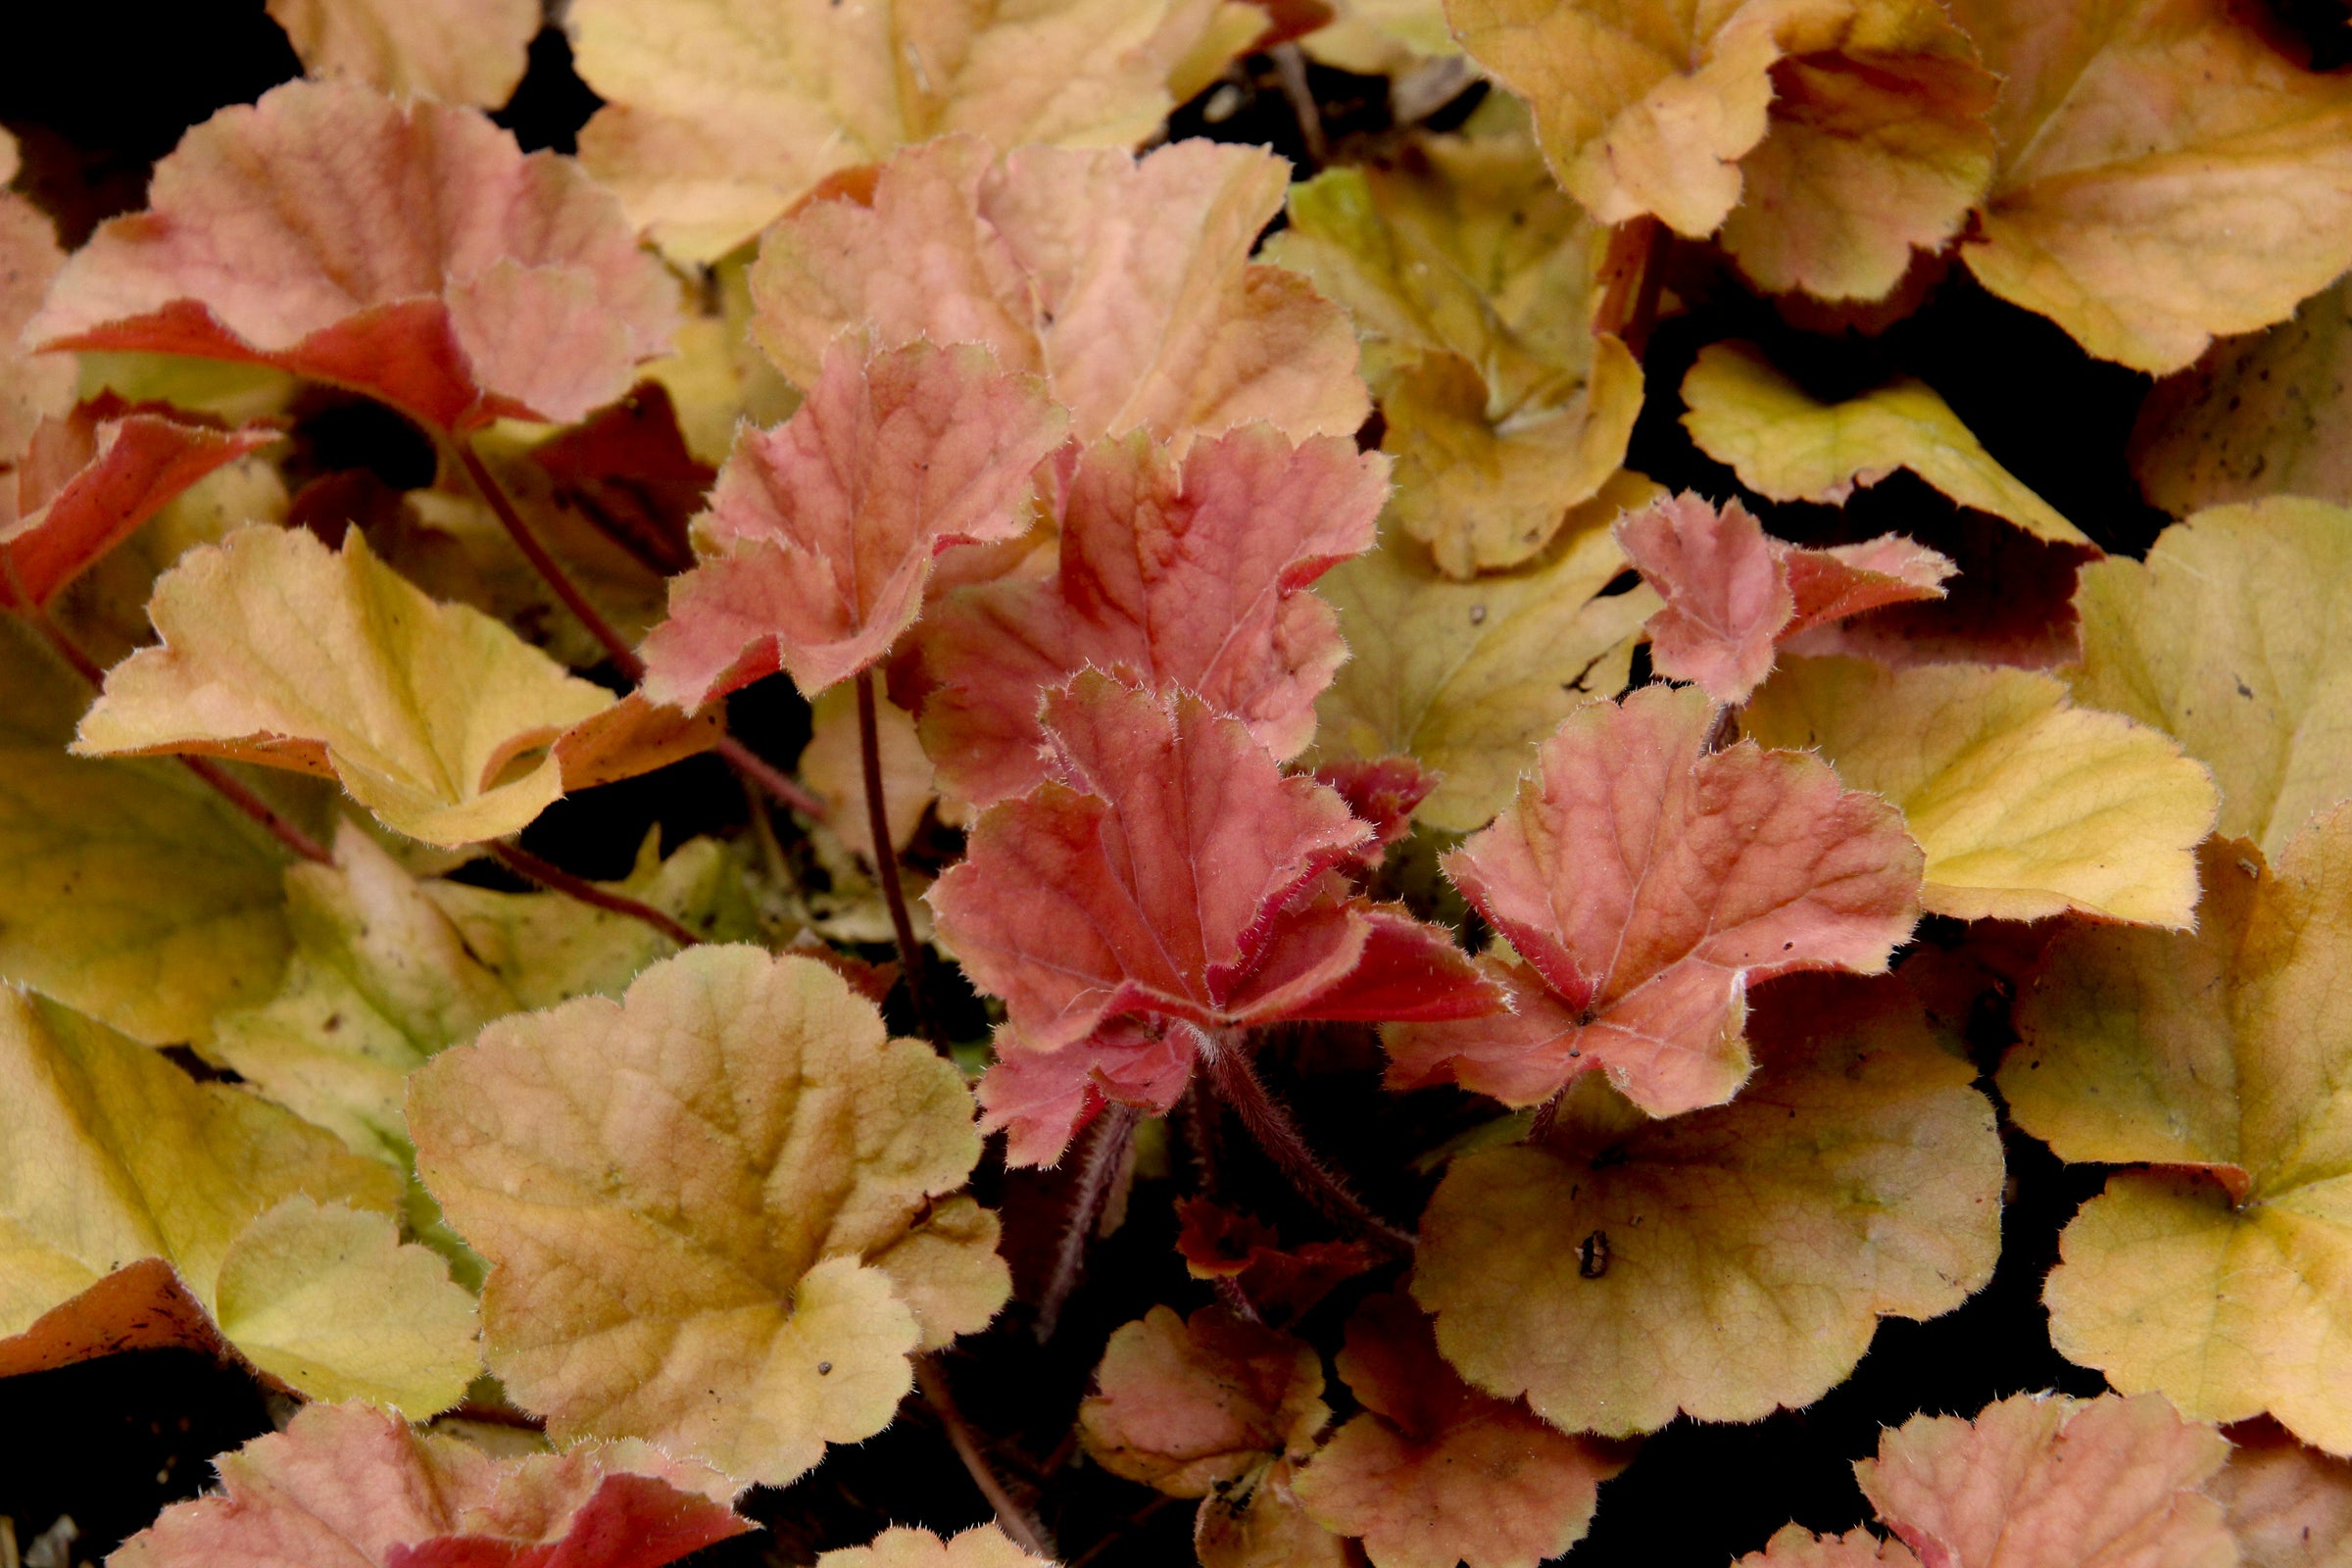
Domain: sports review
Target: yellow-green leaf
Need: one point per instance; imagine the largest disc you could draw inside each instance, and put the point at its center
(2230, 637)
(692, 1197)
(277, 649)
(282, 1236)
(2224, 1055)
(1468, 676)
(1730, 1262)
(2026, 804)
(1788, 446)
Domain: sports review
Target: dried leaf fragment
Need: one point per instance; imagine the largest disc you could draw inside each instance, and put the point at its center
(2217, 1056)
(1125, 283)
(698, 1202)
(1434, 1471)
(1731, 1260)
(346, 1484)
(277, 649)
(1644, 883)
(2026, 804)
(410, 252)
(819, 536)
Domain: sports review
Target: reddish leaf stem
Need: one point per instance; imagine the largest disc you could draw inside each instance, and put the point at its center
(555, 879)
(765, 775)
(550, 569)
(1105, 1152)
(1235, 1082)
(931, 1380)
(886, 862)
(230, 788)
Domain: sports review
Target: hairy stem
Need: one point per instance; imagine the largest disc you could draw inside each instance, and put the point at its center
(764, 776)
(555, 879)
(229, 787)
(886, 862)
(1105, 1152)
(550, 569)
(1235, 1082)
(931, 1380)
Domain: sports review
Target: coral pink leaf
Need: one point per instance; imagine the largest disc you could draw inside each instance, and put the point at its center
(823, 529)
(1187, 573)
(411, 252)
(1733, 593)
(1041, 1099)
(1409, 972)
(1155, 875)
(2042, 1482)
(1646, 882)
(347, 1484)
(1435, 1472)
(1283, 1282)
(1382, 791)
(91, 478)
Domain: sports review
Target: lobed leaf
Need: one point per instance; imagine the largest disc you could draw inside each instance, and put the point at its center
(268, 1226)
(905, 1546)
(1188, 1405)
(2026, 804)
(1642, 883)
(1730, 1262)
(1186, 572)
(410, 252)
(1467, 678)
(2225, 639)
(715, 1211)
(1786, 445)
(349, 1486)
(277, 649)
(1434, 1471)
(819, 536)
(1126, 283)
(2215, 1055)
(720, 114)
(2288, 1506)
(1826, 139)
(459, 51)
(2166, 174)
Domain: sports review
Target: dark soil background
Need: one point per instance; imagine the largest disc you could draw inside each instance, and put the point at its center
(95, 92)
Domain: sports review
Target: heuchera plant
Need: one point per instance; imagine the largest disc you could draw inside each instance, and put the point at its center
(1223, 896)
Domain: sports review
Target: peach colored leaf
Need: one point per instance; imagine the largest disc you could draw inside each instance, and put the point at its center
(2026, 804)
(721, 114)
(1786, 445)
(820, 533)
(1189, 1405)
(1468, 677)
(1188, 571)
(409, 252)
(2038, 1481)
(1258, 1522)
(2260, 415)
(2166, 174)
(32, 386)
(460, 51)
(1382, 37)
(275, 1232)
(1170, 870)
(2222, 1054)
(353, 1487)
(1434, 1471)
(1836, 136)
(905, 1546)
(833, 765)
(1126, 283)
(2226, 638)
(1643, 883)
(1732, 1260)
(1734, 594)
(2288, 1506)
(90, 479)
(1795, 1547)
(698, 1203)
(277, 649)
(1470, 277)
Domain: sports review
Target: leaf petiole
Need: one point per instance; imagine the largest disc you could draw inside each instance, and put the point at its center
(886, 861)
(1234, 1081)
